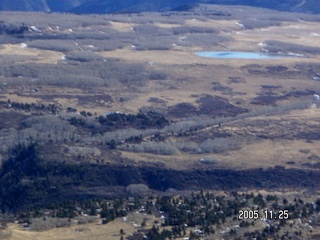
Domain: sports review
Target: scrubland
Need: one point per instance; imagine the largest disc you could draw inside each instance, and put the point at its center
(128, 92)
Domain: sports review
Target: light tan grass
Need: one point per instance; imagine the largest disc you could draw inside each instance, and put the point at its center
(41, 56)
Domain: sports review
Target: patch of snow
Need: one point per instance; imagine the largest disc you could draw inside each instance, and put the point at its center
(23, 45)
(34, 29)
(295, 54)
(70, 30)
(314, 34)
(240, 25)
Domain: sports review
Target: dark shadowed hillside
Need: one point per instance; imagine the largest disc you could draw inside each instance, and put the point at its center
(115, 6)
(63, 5)
(109, 6)
(24, 5)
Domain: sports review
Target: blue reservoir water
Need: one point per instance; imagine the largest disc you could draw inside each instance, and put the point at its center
(237, 55)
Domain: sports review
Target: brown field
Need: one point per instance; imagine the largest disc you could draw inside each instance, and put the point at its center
(34, 55)
(189, 77)
(87, 231)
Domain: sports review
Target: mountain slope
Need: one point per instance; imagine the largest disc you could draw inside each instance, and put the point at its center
(116, 6)
(110, 6)
(24, 5)
(64, 5)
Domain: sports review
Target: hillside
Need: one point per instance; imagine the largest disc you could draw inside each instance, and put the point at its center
(116, 6)
(113, 123)
(25, 5)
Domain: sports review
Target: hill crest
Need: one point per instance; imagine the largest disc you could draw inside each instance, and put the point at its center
(118, 6)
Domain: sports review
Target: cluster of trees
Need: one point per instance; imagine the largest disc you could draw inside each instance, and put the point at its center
(91, 73)
(83, 56)
(156, 234)
(125, 130)
(161, 148)
(28, 107)
(12, 29)
(207, 212)
(27, 179)
(216, 145)
(139, 120)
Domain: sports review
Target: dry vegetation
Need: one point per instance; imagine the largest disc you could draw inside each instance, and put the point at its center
(166, 108)
(147, 62)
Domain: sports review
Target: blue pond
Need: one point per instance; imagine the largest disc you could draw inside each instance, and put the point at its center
(237, 55)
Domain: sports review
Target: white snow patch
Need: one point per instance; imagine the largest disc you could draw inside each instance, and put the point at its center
(34, 29)
(240, 25)
(295, 54)
(23, 45)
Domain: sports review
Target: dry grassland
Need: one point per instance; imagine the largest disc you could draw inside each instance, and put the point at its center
(121, 26)
(78, 232)
(35, 55)
(264, 154)
(166, 25)
(223, 25)
(90, 231)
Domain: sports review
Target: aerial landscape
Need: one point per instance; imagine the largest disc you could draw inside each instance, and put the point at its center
(159, 119)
